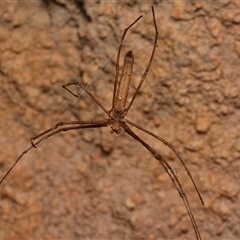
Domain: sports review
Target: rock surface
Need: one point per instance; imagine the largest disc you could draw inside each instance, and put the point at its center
(91, 184)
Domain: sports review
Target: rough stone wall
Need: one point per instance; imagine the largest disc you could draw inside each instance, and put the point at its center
(91, 184)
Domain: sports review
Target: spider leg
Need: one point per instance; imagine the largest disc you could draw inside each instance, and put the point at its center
(85, 123)
(59, 127)
(170, 173)
(174, 151)
(149, 63)
(88, 92)
(117, 61)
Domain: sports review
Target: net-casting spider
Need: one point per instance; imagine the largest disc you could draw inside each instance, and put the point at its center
(116, 119)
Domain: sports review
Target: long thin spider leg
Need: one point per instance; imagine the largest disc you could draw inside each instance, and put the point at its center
(80, 125)
(175, 152)
(88, 92)
(52, 131)
(149, 63)
(117, 62)
(61, 124)
(170, 173)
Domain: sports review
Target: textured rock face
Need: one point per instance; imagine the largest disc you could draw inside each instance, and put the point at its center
(91, 184)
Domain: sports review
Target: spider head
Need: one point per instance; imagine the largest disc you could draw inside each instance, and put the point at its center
(116, 127)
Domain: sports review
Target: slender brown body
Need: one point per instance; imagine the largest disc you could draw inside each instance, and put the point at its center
(124, 83)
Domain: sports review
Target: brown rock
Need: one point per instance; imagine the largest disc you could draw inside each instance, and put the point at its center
(203, 123)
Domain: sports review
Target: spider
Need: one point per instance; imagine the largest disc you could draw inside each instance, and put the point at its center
(116, 119)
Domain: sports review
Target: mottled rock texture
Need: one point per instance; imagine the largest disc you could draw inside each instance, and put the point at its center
(91, 184)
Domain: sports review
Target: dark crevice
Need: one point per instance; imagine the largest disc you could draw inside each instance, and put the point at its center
(81, 7)
(46, 2)
(58, 3)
